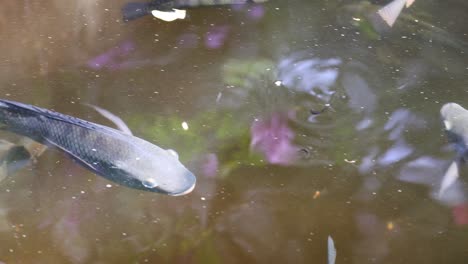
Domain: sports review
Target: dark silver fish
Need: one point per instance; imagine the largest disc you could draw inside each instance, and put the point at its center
(115, 155)
(136, 10)
(455, 119)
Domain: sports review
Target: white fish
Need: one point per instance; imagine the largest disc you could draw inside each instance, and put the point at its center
(455, 119)
(331, 251)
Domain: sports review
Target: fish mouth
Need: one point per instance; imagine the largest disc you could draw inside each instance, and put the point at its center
(187, 188)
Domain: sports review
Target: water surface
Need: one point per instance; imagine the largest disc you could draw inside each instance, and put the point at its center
(306, 119)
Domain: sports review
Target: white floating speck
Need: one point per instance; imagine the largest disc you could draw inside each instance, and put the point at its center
(278, 83)
(93, 149)
(350, 161)
(108, 185)
(202, 198)
(185, 125)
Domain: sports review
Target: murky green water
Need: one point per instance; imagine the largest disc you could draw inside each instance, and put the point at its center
(306, 119)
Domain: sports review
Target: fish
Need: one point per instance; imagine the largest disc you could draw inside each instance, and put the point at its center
(331, 250)
(169, 10)
(115, 155)
(390, 12)
(455, 119)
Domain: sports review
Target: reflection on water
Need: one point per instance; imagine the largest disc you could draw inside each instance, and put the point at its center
(304, 121)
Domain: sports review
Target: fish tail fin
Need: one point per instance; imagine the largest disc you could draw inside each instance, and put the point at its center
(132, 11)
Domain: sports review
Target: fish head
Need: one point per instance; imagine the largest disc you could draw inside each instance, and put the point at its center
(454, 116)
(160, 171)
(455, 119)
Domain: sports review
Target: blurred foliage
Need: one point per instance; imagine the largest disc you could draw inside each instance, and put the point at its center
(246, 73)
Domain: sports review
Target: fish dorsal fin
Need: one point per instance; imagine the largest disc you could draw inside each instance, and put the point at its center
(118, 122)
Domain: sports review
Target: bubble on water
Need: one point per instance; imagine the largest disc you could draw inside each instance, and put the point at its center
(149, 183)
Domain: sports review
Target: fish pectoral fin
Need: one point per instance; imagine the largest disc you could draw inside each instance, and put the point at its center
(169, 16)
(74, 156)
(450, 176)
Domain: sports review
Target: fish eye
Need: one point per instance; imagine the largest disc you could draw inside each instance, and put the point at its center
(149, 183)
(173, 153)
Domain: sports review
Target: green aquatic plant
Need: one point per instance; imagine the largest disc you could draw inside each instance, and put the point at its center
(208, 132)
(246, 73)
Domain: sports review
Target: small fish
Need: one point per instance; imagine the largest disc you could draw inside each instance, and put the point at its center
(169, 10)
(455, 119)
(391, 11)
(115, 155)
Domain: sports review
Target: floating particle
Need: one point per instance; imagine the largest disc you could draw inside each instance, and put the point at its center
(185, 125)
(390, 226)
(316, 194)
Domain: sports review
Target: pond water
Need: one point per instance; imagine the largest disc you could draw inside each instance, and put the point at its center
(304, 121)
